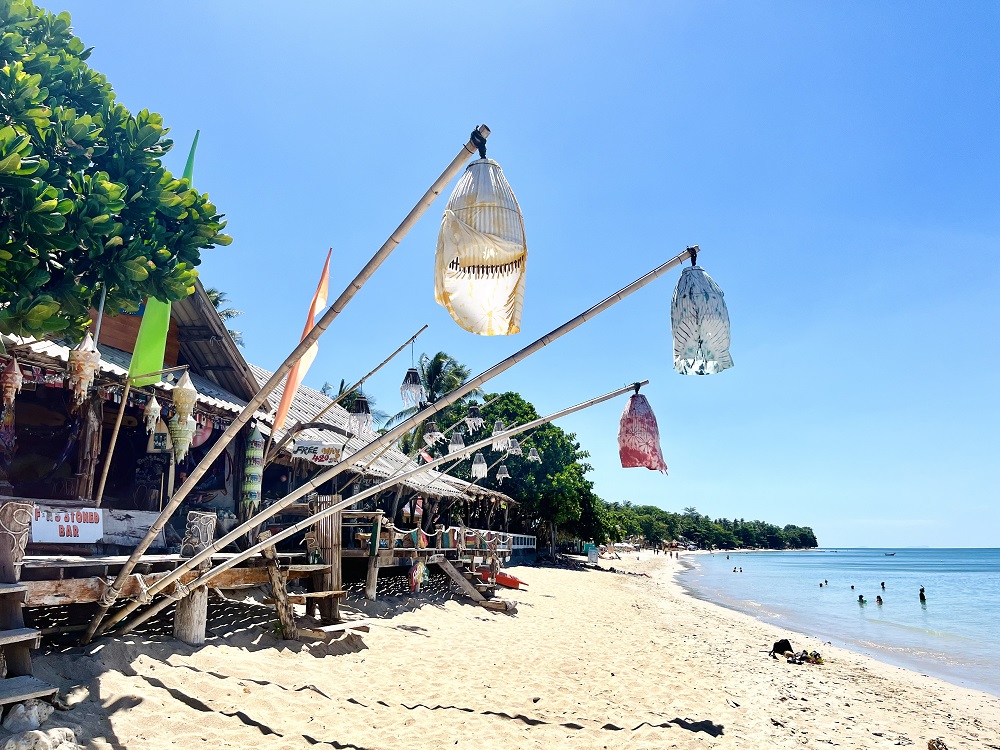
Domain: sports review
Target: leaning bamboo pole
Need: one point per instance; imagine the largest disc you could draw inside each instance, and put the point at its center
(109, 597)
(399, 430)
(311, 520)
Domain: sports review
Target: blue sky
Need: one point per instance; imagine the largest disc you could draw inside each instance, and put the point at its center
(838, 164)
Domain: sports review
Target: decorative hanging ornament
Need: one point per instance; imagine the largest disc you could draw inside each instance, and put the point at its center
(159, 440)
(11, 381)
(151, 414)
(84, 359)
(499, 443)
(412, 390)
(639, 436)
(533, 456)
(253, 471)
(700, 323)
(502, 473)
(184, 395)
(432, 434)
(479, 467)
(514, 449)
(360, 415)
(474, 419)
(181, 434)
(479, 267)
(457, 443)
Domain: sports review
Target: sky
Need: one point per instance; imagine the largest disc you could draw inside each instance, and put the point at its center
(837, 163)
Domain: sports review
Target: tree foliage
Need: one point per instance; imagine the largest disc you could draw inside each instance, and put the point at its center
(218, 298)
(85, 202)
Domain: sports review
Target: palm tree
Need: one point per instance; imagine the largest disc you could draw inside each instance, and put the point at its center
(439, 375)
(218, 299)
(379, 417)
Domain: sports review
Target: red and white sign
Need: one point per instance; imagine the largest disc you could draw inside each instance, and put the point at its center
(66, 525)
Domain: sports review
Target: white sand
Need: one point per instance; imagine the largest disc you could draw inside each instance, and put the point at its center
(592, 659)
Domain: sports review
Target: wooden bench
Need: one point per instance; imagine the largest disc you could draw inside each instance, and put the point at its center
(303, 598)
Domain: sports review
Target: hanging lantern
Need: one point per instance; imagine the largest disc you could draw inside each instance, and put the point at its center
(181, 434)
(502, 473)
(184, 395)
(481, 255)
(514, 449)
(84, 359)
(253, 471)
(533, 456)
(412, 390)
(479, 467)
(457, 443)
(499, 443)
(151, 414)
(700, 323)
(474, 419)
(432, 434)
(639, 436)
(360, 415)
(10, 382)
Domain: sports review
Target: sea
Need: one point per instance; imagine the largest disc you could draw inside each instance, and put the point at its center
(954, 635)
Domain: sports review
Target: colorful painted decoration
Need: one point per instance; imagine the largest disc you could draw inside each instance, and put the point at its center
(83, 362)
(181, 434)
(474, 419)
(159, 439)
(700, 323)
(11, 381)
(502, 473)
(639, 436)
(533, 456)
(253, 471)
(203, 432)
(151, 414)
(184, 395)
(457, 443)
(412, 390)
(499, 443)
(479, 467)
(481, 253)
(514, 449)
(8, 435)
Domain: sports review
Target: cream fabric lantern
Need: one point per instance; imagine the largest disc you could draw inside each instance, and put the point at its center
(83, 361)
(184, 395)
(481, 256)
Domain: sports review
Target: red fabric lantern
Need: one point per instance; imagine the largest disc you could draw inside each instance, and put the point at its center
(639, 436)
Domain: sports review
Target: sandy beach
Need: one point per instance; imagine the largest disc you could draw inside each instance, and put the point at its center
(592, 660)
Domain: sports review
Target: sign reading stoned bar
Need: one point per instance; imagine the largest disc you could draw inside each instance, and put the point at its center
(316, 451)
(66, 525)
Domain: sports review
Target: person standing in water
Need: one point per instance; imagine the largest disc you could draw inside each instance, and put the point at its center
(883, 585)
(878, 600)
(923, 597)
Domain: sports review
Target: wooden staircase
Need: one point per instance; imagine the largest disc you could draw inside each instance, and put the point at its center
(467, 580)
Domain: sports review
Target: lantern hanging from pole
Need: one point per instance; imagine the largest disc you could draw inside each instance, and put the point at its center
(412, 390)
(360, 415)
(639, 436)
(11, 381)
(533, 456)
(432, 434)
(151, 414)
(184, 395)
(479, 467)
(84, 359)
(502, 473)
(481, 255)
(514, 448)
(181, 434)
(457, 443)
(700, 323)
(499, 443)
(254, 469)
(474, 419)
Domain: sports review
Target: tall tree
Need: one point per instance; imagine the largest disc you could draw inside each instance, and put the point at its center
(440, 374)
(85, 203)
(218, 299)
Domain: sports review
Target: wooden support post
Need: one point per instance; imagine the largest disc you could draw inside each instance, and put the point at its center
(286, 615)
(371, 581)
(328, 540)
(191, 616)
(91, 420)
(15, 525)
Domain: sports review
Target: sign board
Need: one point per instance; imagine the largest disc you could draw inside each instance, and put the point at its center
(592, 555)
(316, 451)
(66, 525)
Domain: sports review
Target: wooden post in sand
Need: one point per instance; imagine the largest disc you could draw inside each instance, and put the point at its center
(328, 540)
(191, 617)
(286, 615)
(371, 581)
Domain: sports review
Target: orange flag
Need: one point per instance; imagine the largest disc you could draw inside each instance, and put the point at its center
(299, 369)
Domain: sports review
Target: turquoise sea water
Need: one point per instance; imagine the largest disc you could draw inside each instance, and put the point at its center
(955, 635)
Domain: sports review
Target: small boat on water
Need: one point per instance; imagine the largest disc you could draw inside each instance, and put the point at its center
(889, 554)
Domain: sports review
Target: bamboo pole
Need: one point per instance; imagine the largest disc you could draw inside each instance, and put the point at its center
(315, 418)
(389, 437)
(330, 510)
(468, 150)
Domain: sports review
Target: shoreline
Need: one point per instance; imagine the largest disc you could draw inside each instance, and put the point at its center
(591, 660)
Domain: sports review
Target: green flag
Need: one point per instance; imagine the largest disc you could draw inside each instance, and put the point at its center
(151, 343)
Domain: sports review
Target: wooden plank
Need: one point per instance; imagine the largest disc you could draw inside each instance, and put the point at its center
(464, 586)
(12, 588)
(302, 598)
(19, 635)
(363, 625)
(499, 605)
(17, 689)
(129, 527)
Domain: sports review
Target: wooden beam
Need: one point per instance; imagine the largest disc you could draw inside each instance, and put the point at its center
(286, 615)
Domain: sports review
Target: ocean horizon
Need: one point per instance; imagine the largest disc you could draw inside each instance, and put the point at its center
(953, 635)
